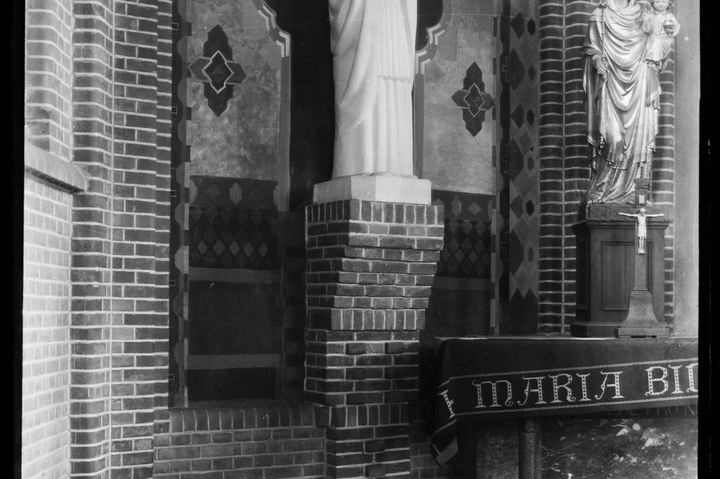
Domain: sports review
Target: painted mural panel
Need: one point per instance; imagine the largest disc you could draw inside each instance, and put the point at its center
(234, 91)
(523, 166)
(455, 121)
(232, 124)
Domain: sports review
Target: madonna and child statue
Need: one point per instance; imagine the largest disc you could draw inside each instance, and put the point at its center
(620, 236)
(626, 48)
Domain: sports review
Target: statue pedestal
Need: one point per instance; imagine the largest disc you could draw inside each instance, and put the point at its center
(619, 292)
(385, 188)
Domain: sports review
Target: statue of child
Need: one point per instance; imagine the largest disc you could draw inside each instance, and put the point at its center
(661, 27)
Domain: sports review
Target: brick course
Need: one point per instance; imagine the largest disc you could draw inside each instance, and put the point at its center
(264, 441)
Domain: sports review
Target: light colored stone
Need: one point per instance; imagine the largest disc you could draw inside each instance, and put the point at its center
(390, 189)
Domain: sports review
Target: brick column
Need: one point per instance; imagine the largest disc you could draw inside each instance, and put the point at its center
(551, 311)
(370, 267)
(119, 338)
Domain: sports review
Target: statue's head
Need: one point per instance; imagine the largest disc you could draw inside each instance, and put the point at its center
(642, 211)
(661, 5)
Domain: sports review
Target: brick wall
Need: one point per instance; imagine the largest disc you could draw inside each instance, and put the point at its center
(551, 98)
(48, 74)
(46, 326)
(663, 177)
(45, 385)
(120, 259)
(564, 167)
(92, 240)
(263, 441)
(141, 215)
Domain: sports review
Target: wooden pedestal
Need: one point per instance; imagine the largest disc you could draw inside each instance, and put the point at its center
(606, 246)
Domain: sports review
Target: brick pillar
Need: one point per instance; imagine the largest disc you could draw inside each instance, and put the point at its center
(370, 267)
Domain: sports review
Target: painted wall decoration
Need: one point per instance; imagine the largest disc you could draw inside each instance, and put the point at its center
(217, 70)
(240, 67)
(179, 265)
(517, 221)
(473, 99)
(466, 250)
(454, 143)
(460, 300)
(454, 101)
(232, 224)
(231, 174)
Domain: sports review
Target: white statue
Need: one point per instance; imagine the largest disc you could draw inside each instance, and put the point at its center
(641, 227)
(662, 28)
(624, 50)
(373, 46)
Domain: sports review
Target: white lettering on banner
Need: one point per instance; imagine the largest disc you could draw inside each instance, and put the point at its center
(676, 377)
(583, 382)
(657, 375)
(579, 388)
(537, 390)
(691, 377)
(493, 390)
(615, 384)
(449, 402)
(556, 387)
(652, 380)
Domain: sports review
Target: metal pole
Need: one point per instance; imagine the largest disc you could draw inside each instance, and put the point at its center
(529, 439)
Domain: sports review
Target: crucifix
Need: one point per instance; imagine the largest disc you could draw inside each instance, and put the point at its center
(641, 227)
(641, 320)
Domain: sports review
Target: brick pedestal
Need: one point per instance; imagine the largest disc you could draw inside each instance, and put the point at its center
(370, 267)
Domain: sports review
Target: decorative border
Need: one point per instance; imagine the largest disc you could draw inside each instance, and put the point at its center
(427, 53)
(280, 37)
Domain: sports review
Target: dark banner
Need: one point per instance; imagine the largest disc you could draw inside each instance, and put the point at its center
(499, 377)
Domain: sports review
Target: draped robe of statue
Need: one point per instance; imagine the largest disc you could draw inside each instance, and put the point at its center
(622, 108)
(373, 46)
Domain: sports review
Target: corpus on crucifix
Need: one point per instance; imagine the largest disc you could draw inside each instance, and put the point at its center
(641, 216)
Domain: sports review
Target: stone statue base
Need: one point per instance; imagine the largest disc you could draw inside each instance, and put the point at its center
(641, 320)
(390, 189)
(618, 291)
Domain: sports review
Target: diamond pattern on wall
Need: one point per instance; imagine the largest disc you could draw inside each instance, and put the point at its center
(232, 238)
(518, 24)
(212, 191)
(516, 69)
(473, 99)
(518, 115)
(518, 228)
(466, 252)
(217, 70)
